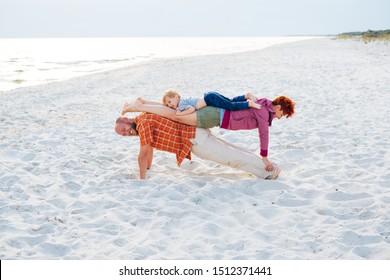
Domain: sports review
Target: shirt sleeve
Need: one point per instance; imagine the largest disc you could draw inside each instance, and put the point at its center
(145, 133)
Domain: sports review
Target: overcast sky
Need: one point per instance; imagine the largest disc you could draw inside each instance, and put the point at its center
(123, 18)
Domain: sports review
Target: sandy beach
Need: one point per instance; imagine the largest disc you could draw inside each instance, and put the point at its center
(69, 186)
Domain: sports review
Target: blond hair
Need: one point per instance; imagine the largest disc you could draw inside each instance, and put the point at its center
(170, 93)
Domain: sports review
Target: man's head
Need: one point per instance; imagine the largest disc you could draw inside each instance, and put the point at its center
(126, 126)
(283, 106)
(171, 99)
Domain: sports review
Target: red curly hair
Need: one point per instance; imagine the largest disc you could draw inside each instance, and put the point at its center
(286, 104)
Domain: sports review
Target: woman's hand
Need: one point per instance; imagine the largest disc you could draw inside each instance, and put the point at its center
(268, 165)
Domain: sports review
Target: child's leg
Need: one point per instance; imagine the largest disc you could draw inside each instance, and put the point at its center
(239, 98)
(253, 104)
(250, 96)
(217, 100)
(245, 97)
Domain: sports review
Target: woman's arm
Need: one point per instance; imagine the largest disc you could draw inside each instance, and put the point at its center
(268, 165)
(263, 129)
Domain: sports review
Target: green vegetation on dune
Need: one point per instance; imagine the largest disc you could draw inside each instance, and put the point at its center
(367, 36)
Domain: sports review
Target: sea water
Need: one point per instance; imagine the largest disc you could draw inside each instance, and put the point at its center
(28, 62)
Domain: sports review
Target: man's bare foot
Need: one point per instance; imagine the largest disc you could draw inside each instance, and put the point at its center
(253, 104)
(132, 106)
(275, 175)
(251, 97)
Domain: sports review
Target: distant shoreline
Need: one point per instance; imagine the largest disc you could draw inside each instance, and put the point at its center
(29, 62)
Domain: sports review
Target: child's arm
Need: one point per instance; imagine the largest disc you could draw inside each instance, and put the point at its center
(185, 112)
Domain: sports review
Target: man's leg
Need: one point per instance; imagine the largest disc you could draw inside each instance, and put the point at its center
(209, 147)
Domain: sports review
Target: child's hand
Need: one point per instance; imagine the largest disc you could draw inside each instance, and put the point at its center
(178, 112)
(185, 112)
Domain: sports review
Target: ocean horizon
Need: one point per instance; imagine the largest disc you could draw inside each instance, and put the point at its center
(33, 61)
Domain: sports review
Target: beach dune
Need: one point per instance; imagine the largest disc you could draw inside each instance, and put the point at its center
(69, 186)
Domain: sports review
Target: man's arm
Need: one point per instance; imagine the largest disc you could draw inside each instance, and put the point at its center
(150, 157)
(143, 160)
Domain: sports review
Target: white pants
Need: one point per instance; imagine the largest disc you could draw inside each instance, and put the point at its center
(207, 146)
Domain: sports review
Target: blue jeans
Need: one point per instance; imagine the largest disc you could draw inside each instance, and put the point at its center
(218, 100)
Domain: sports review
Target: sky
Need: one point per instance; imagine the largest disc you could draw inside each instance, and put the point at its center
(189, 18)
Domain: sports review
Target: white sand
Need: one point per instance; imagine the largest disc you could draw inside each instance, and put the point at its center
(69, 187)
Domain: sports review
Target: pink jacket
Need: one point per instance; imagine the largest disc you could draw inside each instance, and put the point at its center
(251, 119)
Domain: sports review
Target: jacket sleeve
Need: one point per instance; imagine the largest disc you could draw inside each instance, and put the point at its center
(263, 136)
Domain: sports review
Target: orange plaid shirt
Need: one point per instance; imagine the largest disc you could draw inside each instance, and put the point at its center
(166, 135)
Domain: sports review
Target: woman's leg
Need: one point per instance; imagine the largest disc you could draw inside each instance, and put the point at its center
(164, 111)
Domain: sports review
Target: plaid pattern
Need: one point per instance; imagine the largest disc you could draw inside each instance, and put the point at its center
(165, 135)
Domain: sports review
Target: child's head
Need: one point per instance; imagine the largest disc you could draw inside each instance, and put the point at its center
(171, 98)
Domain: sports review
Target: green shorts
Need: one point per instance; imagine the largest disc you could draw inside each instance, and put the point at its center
(208, 117)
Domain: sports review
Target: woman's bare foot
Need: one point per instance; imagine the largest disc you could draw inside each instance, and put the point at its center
(252, 104)
(132, 107)
(125, 109)
(251, 97)
(140, 100)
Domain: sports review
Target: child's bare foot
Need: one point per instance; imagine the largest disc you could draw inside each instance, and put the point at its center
(253, 104)
(251, 97)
